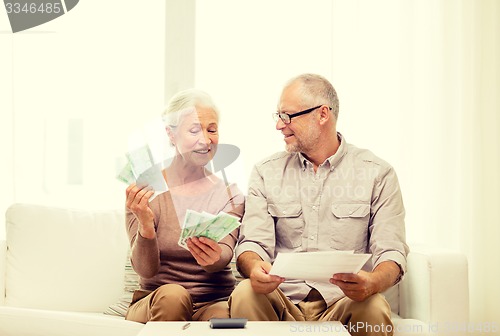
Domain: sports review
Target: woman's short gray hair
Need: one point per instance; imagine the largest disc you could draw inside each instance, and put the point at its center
(184, 102)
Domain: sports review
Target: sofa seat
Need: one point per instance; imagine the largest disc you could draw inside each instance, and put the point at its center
(61, 269)
(35, 322)
(409, 326)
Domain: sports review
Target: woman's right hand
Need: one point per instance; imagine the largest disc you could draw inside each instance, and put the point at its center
(137, 201)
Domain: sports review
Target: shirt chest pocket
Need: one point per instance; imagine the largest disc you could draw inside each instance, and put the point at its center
(289, 224)
(349, 226)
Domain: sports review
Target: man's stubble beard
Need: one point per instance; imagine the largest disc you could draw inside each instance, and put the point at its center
(308, 143)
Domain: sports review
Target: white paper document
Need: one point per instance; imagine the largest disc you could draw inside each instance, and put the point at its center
(317, 266)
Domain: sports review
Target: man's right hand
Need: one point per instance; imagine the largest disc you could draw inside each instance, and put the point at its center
(263, 282)
(137, 201)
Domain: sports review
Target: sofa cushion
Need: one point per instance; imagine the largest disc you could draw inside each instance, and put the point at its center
(131, 284)
(64, 259)
(410, 327)
(3, 257)
(392, 297)
(33, 322)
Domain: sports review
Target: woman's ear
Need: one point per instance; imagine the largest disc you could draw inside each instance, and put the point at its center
(170, 133)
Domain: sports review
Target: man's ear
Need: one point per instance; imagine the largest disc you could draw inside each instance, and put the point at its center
(324, 114)
(170, 133)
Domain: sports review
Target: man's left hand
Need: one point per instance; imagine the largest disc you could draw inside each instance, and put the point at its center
(357, 287)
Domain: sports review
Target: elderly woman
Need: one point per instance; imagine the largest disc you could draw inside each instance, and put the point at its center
(179, 284)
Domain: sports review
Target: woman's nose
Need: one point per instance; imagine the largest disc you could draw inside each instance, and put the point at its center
(205, 138)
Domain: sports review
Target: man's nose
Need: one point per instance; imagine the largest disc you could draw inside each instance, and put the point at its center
(280, 124)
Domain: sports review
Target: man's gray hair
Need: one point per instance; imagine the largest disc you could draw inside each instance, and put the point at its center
(316, 90)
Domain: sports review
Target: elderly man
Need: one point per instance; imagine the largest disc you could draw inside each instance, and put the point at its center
(321, 194)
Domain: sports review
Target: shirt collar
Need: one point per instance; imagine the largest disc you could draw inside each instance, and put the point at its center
(333, 160)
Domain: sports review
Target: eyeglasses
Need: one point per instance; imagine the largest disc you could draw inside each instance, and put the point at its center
(287, 118)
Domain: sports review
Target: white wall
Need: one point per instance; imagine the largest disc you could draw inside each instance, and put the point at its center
(385, 62)
(418, 83)
(245, 51)
(6, 126)
(72, 90)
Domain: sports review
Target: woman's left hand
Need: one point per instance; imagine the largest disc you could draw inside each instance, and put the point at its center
(205, 250)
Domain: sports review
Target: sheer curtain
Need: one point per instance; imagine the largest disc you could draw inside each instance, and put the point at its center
(481, 143)
(418, 83)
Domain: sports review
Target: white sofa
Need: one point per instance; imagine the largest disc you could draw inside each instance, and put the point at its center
(60, 269)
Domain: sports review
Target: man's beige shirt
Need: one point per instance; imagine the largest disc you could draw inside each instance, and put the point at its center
(352, 202)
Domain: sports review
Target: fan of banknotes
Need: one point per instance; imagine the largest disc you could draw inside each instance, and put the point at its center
(204, 224)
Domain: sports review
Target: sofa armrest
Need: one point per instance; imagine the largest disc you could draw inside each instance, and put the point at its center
(436, 287)
(3, 262)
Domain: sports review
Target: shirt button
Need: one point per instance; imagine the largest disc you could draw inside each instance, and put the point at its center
(314, 207)
(284, 212)
(311, 237)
